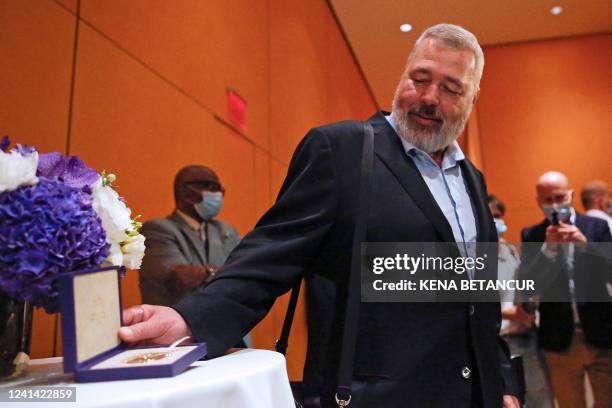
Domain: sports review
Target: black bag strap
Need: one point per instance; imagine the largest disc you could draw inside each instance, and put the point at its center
(353, 298)
(283, 341)
(349, 336)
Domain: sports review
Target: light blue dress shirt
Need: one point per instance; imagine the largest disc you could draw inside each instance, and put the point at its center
(448, 188)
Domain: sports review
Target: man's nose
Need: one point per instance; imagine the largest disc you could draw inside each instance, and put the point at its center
(431, 95)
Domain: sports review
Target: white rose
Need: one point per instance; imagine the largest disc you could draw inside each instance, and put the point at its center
(133, 251)
(115, 216)
(115, 256)
(17, 170)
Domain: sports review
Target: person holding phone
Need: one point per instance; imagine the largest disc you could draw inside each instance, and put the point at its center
(576, 336)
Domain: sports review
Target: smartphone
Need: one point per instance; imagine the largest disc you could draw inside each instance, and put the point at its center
(555, 218)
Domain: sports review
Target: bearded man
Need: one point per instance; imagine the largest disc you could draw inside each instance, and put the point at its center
(423, 190)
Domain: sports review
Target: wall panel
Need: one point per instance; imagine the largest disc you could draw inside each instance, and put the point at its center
(347, 96)
(36, 47)
(298, 64)
(262, 183)
(70, 5)
(545, 106)
(202, 47)
(127, 121)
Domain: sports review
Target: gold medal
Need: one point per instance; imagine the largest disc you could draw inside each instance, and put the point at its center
(154, 355)
(147, 357)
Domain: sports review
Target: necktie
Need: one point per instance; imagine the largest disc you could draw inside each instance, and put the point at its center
(204, 237)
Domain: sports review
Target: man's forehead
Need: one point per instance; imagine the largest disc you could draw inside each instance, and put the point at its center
(433, 51)
(199, 174)
(552, 188)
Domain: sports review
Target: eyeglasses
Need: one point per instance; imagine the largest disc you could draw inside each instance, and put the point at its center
(206, 186)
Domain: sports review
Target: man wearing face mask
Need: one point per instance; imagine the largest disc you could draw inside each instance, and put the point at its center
(575, 335)
(185, 249)
(518, 324)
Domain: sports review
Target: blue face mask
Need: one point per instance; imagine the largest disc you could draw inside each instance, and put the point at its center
(210, 205)
(500, 226)
(563, 210)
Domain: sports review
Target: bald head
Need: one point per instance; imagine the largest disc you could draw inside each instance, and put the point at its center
(194, 174)
(553, 178)
(189, 183)
(553, 188)
(595, 195)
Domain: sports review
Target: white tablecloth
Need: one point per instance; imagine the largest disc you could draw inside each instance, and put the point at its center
(247, 378)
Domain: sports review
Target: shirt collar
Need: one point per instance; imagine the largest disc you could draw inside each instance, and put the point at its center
(452, 155)
(595, 212)
(573, 216)
(191, 222)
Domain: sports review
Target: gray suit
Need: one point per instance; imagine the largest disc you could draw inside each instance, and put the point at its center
(171, 241)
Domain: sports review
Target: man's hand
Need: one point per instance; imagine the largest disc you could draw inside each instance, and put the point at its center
(564, 233)
(185, 277)
(153, 325)
(518, 315)
(510, 401)
(524, 318)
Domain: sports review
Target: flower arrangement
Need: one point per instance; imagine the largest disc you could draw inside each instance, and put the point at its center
(57, 215)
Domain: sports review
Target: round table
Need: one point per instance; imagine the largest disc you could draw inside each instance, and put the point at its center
(246, 378)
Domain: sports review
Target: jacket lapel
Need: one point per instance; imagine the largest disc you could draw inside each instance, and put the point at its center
(191, 236)
(540, 232)
(390, 150)
(580, 223)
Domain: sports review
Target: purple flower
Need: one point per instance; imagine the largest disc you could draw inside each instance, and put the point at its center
(71, 170)
(5, 143)
(19, 148)
(47, 229)
(24, 149)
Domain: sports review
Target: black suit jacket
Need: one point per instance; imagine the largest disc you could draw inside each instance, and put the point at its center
(408, 354)
(591, 272)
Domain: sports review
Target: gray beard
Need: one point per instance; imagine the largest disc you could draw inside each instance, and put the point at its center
(425, 138)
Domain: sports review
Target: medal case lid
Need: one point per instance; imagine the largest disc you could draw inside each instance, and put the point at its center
(90, 306)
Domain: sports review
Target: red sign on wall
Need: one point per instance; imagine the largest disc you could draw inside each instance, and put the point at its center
(236, 107)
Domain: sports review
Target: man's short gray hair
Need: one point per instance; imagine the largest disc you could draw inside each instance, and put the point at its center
(455, 37)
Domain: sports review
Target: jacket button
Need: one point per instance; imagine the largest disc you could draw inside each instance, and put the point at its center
(472, 310)
(466, 372)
